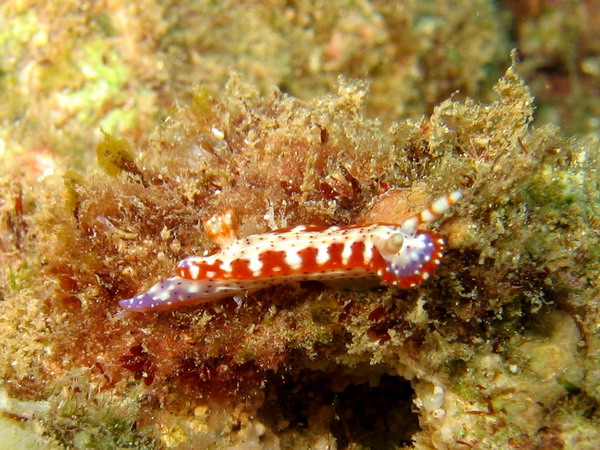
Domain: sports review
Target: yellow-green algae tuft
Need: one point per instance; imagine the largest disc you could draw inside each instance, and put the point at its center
(115, 155)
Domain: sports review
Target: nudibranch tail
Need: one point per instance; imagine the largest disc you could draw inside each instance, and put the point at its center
(400, 255)
(176, 291)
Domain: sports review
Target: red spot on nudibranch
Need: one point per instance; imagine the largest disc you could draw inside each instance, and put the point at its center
(378, 264)
(240, 269)
(309, 259)
(335, 256)
(274, 263)
(206, 271)
(357, 257)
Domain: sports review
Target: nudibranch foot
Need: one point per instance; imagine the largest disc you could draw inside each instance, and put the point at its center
(397, 254)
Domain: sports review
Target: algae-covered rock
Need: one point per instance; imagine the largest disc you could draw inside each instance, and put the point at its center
(498, 349)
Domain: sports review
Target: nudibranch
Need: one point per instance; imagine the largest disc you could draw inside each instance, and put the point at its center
(400, 255)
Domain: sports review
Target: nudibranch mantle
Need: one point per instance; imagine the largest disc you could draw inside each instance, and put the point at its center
(400, 255)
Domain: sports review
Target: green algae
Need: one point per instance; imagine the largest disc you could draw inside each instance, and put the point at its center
(203, 102)
(106, 424)
(115, 155)
(20, 277)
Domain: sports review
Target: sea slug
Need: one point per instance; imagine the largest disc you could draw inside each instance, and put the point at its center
(397, 254)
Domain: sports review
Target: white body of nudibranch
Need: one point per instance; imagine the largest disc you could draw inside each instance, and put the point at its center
(400, 255)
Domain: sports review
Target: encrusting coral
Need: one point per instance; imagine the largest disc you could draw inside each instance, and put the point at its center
(506, 328)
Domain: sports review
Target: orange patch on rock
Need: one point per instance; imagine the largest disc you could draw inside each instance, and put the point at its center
(456, 232)
(396, 205)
